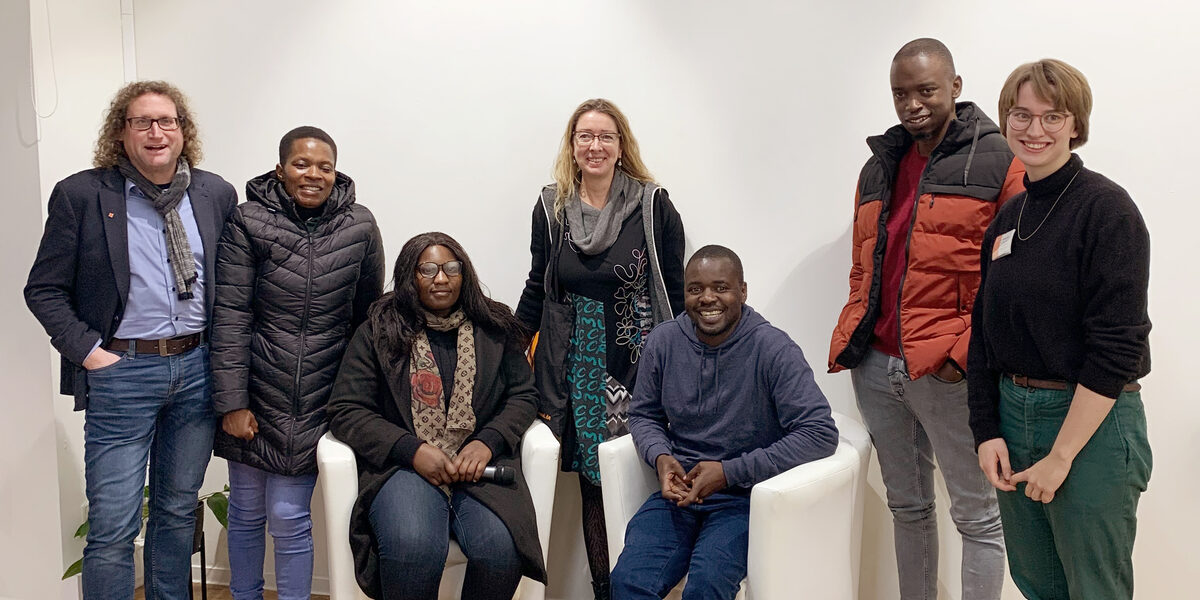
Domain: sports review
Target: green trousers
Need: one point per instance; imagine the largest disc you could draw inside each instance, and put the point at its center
(1080, 545)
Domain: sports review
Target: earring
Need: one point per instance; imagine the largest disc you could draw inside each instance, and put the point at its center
(618, 162)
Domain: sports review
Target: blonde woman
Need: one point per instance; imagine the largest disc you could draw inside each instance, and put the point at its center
(607, 266)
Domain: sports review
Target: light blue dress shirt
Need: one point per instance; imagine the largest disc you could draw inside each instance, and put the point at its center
(153, 310)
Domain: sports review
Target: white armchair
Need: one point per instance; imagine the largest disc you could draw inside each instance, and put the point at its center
(805, 523)
(339, 489)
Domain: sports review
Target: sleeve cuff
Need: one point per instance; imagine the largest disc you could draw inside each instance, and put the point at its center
(494, 441)
(404, 450)
(653, 451)
(735, 475)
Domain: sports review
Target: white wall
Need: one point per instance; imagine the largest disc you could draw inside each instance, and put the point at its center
(30, 551)
(448, 116)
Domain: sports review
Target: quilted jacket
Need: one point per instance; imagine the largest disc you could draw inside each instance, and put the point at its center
(289, 295)
(969, 175)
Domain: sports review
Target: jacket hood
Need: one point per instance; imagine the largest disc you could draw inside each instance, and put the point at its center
(749, 321)
(267, 189)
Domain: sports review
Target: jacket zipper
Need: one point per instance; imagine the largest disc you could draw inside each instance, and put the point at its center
(300, 350)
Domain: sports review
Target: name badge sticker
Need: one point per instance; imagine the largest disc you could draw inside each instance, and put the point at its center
(1003, 245)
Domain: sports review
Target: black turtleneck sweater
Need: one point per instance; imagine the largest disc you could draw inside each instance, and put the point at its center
(1069, 302)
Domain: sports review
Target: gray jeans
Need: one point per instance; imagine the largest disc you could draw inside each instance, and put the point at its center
(910, 422)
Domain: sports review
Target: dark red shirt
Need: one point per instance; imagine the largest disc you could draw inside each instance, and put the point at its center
(899, 223)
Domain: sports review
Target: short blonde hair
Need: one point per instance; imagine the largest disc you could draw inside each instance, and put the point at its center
(109, 147)
(1057, 83)
(567, 173)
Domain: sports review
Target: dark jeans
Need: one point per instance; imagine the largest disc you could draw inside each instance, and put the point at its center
(413, 522)
(156, 408)
(707, 542)
(1080, 545)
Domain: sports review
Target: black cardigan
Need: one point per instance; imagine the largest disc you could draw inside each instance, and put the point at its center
(370, 411)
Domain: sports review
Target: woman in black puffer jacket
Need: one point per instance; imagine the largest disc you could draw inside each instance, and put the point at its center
(297, 267)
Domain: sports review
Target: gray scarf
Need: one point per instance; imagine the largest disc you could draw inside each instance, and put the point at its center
(624, 197)
(166, 202)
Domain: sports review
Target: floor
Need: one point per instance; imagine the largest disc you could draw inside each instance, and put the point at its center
(219, 592)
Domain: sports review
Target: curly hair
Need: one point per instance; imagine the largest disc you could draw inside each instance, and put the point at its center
(398, 315)
(566, 172)
(109, 147)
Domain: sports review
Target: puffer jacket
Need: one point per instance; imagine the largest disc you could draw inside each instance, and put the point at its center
(289, 296)
(969, 175)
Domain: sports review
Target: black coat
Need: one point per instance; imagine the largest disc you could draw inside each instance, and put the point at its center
(370, 410)
(79, 284)
(289, 296)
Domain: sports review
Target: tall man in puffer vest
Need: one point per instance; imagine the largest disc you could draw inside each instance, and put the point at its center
(924, 199)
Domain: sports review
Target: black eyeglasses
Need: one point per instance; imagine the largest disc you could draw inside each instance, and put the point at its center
(164, 123)
(429, 270)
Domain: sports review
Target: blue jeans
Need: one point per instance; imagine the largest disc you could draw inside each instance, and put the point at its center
(258, 498)
(911, 421)
(707, 542)
(413, 521)
(145, 407)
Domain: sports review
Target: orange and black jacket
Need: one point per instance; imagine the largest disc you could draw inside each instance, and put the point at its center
(969, 175)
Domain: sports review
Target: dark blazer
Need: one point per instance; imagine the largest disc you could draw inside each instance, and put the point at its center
(79, 282)
(370, 410)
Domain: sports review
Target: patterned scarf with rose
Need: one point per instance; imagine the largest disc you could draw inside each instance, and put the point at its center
(436, 424)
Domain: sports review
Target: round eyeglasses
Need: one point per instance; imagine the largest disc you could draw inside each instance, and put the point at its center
(1052, 122)
(429, 270)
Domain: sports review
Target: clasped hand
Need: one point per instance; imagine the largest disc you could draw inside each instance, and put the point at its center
(438, 468)
(694, 486)
(1042, 480)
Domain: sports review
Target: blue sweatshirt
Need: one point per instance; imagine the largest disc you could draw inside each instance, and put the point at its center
(750, 403)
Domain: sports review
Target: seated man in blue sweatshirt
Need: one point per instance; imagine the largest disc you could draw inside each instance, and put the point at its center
(723, 401)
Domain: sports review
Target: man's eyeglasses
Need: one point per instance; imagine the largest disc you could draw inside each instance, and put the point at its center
(164, 123)
(585, 138)
(1052, 122)
(429, 270)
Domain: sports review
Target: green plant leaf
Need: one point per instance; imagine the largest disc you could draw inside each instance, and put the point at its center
(219, 505)
(75, 568)
(83, 530)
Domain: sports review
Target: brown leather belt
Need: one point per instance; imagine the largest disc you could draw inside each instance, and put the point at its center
(163, 347)
(1050, 384)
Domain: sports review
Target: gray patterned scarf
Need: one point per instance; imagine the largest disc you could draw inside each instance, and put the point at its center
(624, 197)
(166, 202)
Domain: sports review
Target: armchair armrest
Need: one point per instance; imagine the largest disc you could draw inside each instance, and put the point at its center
(539, 464)
(800, 526)
(627, 483)
(338, 474)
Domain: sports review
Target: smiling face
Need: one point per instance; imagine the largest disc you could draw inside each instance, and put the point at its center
(713, 295)
(309, 173)
(438, 295)
(596, 160)
(153, 152)
(924, 89)
(1040, 151)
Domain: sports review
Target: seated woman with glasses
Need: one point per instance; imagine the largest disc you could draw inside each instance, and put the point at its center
(434, 388)
(297, 267)
(1059, 343)
(607, 266)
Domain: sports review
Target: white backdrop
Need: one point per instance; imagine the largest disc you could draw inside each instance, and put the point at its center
(753, 115)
